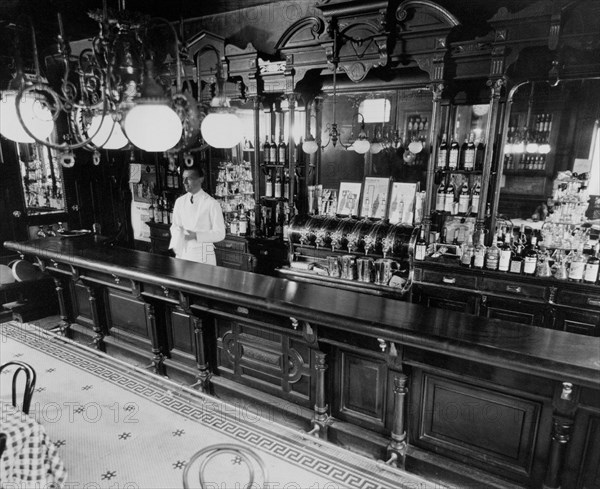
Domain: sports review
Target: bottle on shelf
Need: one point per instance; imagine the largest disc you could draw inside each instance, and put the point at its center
(505, 255)
(449, 196)
(463, 198)
(590, 274)
(243, 225)
(442, 158)
(479, 251)
(468, 252)
(281, 151)
(530, 257)
(268, 185)
(492, 255)
(277, 185)
(286, 183)
(476, 192)
(453, 154)
(151, 212)
(273, 151)
(516, 257)
(421, 246)
(266, 151)
(479, 155)
(577, 266)
(468, 158)
(439, 201)
(159, 210)
(462, 154)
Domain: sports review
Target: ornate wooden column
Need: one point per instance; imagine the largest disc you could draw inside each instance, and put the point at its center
(396, 449)
(565, 406)
(98, 340)
(157, 362)
(437, 90)
(65, 314)
(496, 86)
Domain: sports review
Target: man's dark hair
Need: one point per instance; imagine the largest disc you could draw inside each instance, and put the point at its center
(199, 171)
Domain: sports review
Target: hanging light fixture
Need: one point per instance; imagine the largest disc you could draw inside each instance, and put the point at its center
(152, 124)
(117, 101)
(221, 128)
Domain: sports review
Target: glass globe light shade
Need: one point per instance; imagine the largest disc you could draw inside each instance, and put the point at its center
(544, 149)
(222, 129)
(310, 146)
(361, 146)
(376, 148)
(107, 133)
(153, 126)
(35, 114)
(508, 148)
(532, 147)
(415, 147)
(519, 147)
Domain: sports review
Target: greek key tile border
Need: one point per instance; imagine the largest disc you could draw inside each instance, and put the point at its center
(314, 455)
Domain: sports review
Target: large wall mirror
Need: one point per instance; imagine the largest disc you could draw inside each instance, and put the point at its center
(552, 130)
(390, 120)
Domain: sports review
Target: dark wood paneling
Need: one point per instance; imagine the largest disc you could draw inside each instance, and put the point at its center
(128, 315)
(515, 311)
(479, 425)
(362, 390)
(578, 321)
(181, 332)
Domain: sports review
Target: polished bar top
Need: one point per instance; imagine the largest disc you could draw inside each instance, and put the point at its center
(555, 354)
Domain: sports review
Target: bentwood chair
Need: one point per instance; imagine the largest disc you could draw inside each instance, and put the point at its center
(30, 379)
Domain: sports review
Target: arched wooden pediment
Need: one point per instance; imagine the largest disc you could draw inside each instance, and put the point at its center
(306, 31)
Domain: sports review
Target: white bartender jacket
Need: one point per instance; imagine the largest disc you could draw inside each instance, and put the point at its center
(202, 216)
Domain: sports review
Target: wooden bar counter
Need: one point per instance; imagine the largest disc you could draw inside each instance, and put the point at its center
(466, 399)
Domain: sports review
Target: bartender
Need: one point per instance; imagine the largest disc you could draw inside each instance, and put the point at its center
(197, 221)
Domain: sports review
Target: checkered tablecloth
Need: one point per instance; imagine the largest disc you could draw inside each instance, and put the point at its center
(30, 458)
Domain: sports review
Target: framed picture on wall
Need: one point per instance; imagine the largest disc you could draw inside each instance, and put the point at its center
(402, 203)
(349, 198)
(375, 198)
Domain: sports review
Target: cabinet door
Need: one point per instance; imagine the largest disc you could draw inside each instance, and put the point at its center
(507, 309)
(578, 321)
(445, 298)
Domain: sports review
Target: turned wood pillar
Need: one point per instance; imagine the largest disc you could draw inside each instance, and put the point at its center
(65, 314)
(98, 340)
(320, 416)
(396, 449)
(204, 372)
(565, 406)
(157, 362)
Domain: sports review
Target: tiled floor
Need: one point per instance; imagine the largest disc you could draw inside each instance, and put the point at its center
(118, 426)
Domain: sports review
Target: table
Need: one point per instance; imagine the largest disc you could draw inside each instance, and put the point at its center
(30, 458)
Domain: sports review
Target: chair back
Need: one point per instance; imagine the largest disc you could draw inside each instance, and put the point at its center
(30, 379)
(2, 443)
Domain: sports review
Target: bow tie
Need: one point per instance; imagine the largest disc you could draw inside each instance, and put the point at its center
(192, 199)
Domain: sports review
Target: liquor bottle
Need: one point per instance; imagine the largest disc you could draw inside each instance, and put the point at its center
(286, 221)
(578, 263)
(151, 213)
(440, 198)
(479, 154)
(277, 186)
(282, 151)
(242, 225)
(530, 257)
(479, 252)
(421, 247)
(590, 274)
(516, 258)
(463, 198)
(469, 156)
(492, 255)
(453, 155)
(505, 255)
(267, 151)
(273, 151)
(468, 252)
(286, 184)
(449, 196)
(442, 159)
(462, 154)
(268, 185)
(160, 211)
(475, 197)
